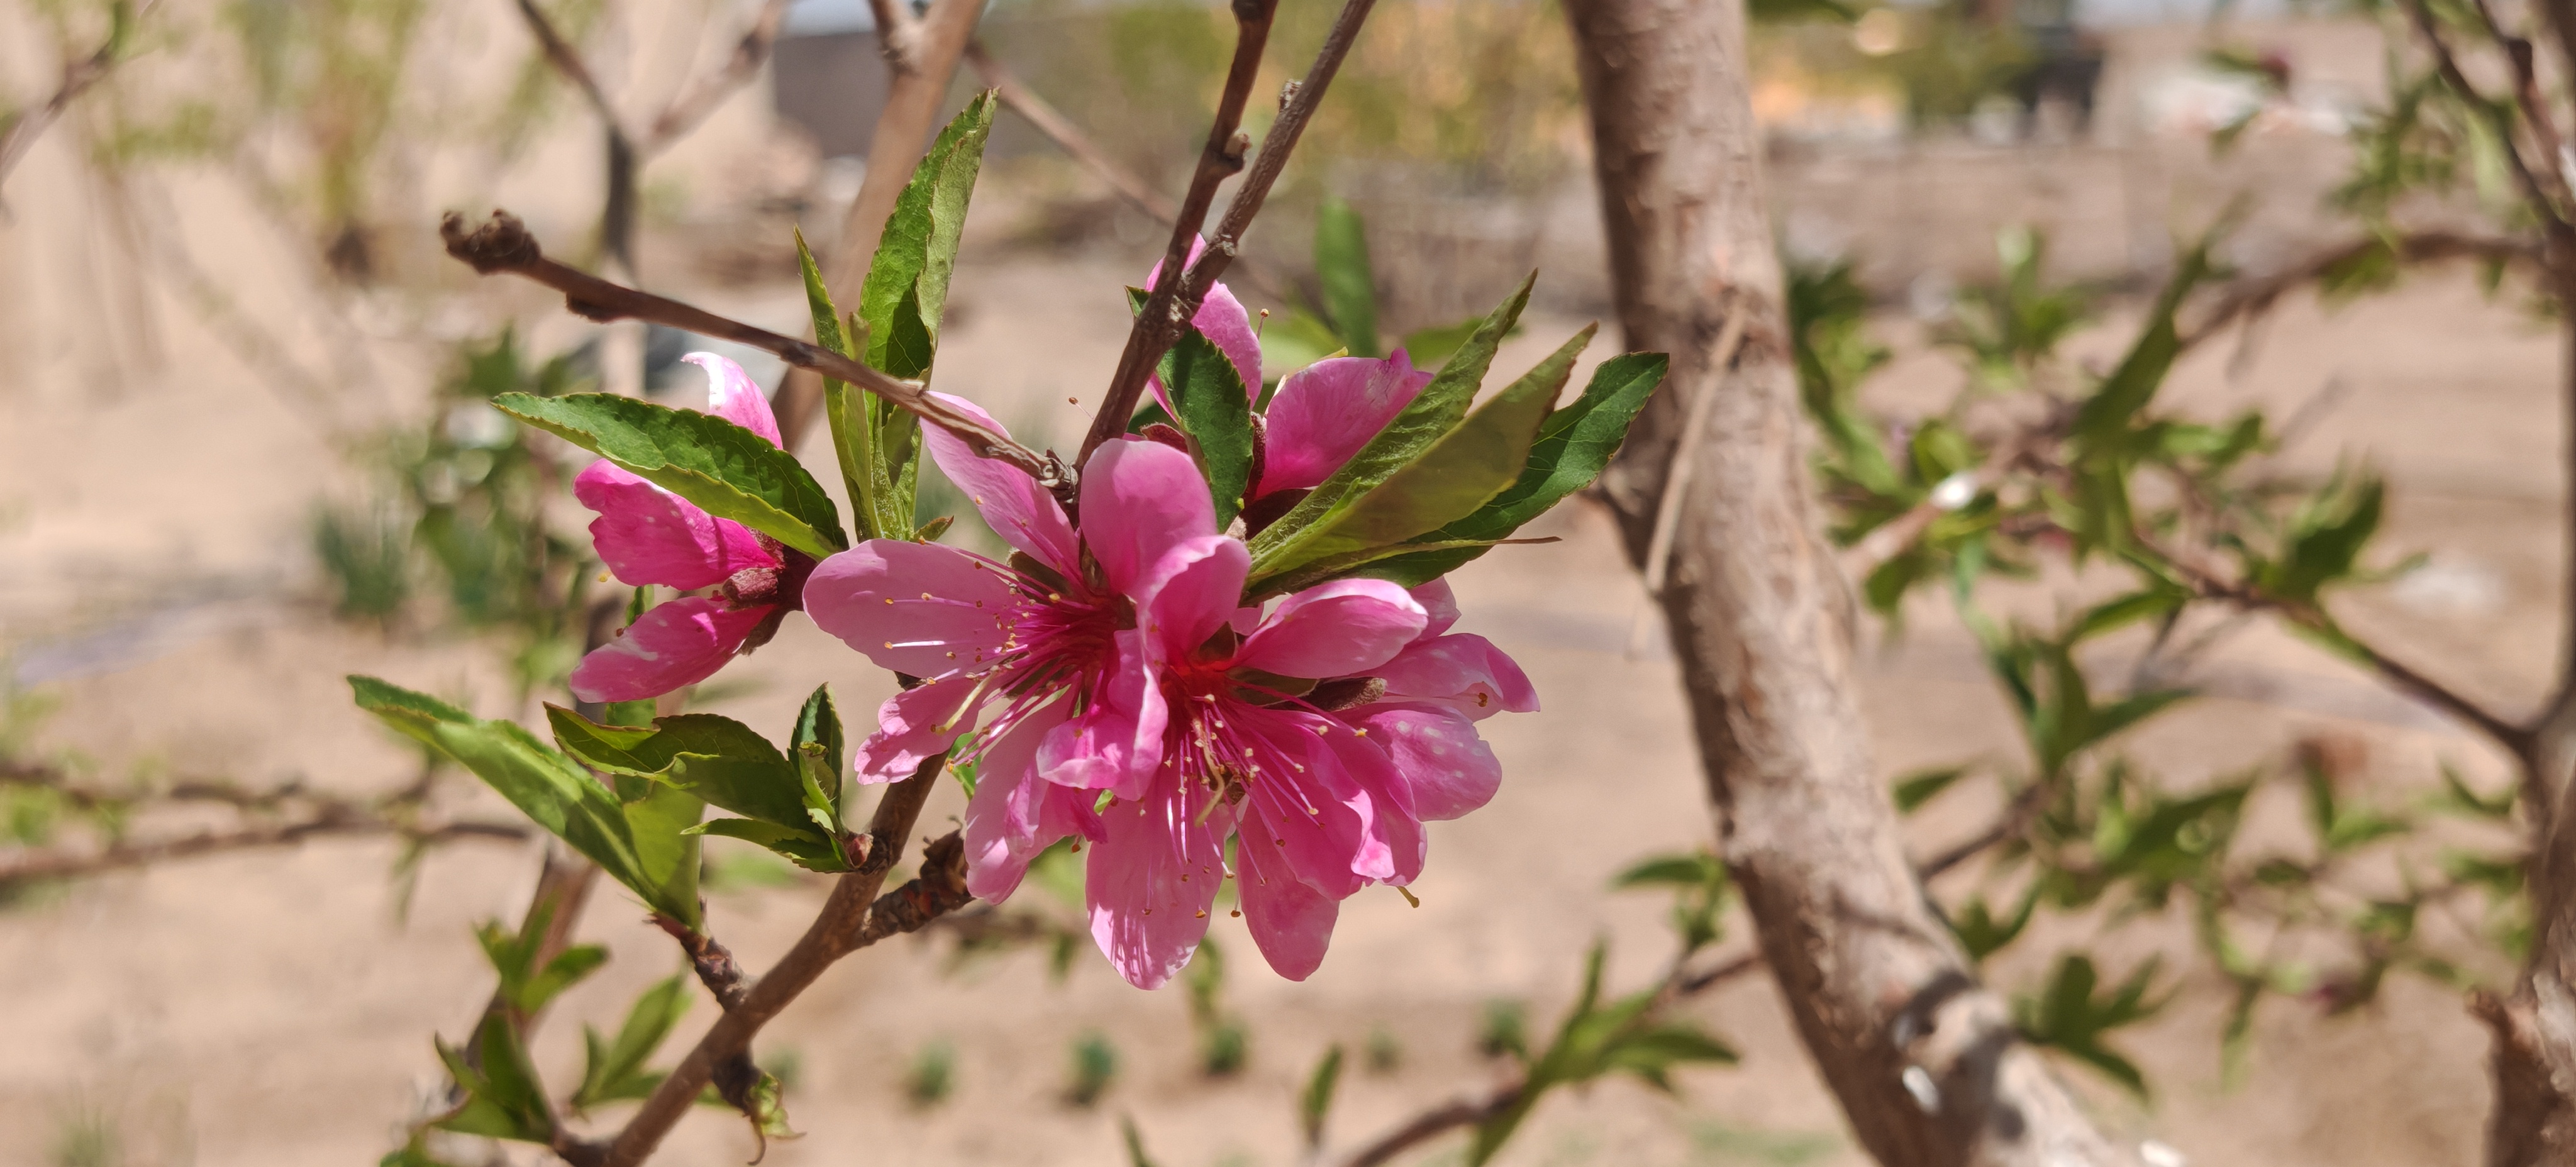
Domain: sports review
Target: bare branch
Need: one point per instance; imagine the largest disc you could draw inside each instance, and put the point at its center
(2548, 210)
(121, 856)
(1476, 1109)
(853, 918)
(898, 34)
(2253, 298)
(1668, 509)
(504, 244)
(703, 94)
(1069, 137)
(78, 76)
(1167, 307)
(567, 61)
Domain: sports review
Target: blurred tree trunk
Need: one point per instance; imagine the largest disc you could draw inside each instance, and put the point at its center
(1923, 1058)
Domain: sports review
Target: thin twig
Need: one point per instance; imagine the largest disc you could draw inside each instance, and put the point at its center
(504, 244)
(121, 856)
(700, 97)
(2255, 297)
(1068, 137)
(1047, 120)
(1668, 506)
(853, 918)
(2211, 585)
(78, 76)
(567, 61)
(2551, 215)
(1477, 1109)
(1168, 307)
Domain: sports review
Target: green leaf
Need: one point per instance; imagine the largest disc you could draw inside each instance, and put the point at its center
(1315, 1103)
(1574, 445)
(2457, 797)
(1349, 283)
(907, 284)
(1922, 786)
(1296, 338)
(1430, 348)
(614, 1070)
(862, 439)
(1696, 869)
(503, 1096)
(1212, 409)
(728, 471)
(819, 747)
(1449, 480)
(666, 850)
(543, 784)
(715, 758)
(2106, 414)
(1440, 408)
(1136, 1156)
(804, 846)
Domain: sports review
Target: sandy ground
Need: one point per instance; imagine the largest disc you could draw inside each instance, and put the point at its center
(273, 1008)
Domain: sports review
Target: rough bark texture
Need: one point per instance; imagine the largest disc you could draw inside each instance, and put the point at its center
(1761, 620)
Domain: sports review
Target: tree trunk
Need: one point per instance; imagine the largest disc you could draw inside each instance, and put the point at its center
(1923, 1059)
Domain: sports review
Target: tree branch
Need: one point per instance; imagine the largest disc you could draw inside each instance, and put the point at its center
(1221, 158)
(898, 34)
(78, 76)
(2550, 214)
(703, 94)
(1068, 137)
(853, 918)
(567, 61)
(1475, 1110)
(504, 244)
(52, 864)
(894, 151)
(2252, 298)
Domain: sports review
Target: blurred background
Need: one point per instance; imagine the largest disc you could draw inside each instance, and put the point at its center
(244, 450)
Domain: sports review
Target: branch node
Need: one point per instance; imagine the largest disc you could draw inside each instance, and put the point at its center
(502, 243)
(1288, 92)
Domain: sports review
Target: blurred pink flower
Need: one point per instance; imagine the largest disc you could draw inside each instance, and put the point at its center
(647, 535)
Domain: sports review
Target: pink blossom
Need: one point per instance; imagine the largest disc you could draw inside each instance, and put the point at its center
(1037, 664)
(1319, 811)
(1326, 411)
(647, 535)
(1437, 688)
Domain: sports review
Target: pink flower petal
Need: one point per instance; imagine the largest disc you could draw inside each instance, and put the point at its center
(1439, 603)
(1462, 670)
(1335, 629)
(732, 396)
(1014, 813)
(1117, 743)
(912, 727)
(648, 535)
(1223, 321)
(1447, 769)
(1304, 803)
(1393, 824)
(916, 608)
(1139, 500)
(1290, 922)
(1012, 503)
(1151, 880)
(675, 645)
(1326, 411)
(1192, 592)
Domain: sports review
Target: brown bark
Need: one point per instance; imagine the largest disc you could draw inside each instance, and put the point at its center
(1760, 619)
